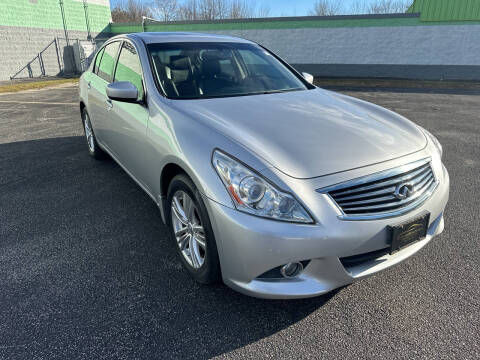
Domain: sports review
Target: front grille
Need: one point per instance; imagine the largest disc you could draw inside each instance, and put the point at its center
(388, 193)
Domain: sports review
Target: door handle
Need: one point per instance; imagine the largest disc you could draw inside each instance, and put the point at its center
(109, 104)
(89, 85)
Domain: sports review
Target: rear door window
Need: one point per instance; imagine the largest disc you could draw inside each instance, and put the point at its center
(97, 60)
(107, 63)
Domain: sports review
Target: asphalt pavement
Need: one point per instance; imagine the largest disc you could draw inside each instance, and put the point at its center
(87, 270)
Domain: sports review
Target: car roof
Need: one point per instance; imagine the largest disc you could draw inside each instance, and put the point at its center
(162, 37)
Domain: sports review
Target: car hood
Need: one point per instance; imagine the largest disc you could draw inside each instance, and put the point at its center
(310, 133)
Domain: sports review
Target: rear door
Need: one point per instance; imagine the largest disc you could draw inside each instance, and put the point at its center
(99, 104)
(129, 120)
(93, 93)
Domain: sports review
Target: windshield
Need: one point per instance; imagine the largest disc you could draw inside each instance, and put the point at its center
(202, 70)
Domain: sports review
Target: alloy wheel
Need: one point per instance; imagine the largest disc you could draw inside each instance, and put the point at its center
(89, 133)
(188, 229)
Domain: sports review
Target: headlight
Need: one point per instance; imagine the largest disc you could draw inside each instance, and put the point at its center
(252, 194)
(435, 142)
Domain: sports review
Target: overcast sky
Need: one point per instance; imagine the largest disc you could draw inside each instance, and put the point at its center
(283, 7)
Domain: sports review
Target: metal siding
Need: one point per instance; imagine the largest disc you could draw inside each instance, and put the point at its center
(447, 10)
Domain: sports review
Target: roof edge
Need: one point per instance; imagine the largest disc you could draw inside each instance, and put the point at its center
(273, 19)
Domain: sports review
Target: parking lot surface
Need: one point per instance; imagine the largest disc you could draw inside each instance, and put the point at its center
(87, 270)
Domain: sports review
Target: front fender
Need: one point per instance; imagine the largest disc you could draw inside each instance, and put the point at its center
(181, 139)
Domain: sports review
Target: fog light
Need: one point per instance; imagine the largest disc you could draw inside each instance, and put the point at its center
(291, 270)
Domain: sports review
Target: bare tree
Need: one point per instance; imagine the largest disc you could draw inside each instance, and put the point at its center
(358, 7)
(213, 9)
(129, 11)
(166, 10)
(389, 6)
(188, 10)
(326, 8)
(241, 9)
(220, 9)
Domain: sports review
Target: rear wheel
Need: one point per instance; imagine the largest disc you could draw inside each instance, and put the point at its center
(192, 231)
(92, 145)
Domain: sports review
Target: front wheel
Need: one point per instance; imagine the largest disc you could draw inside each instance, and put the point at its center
(93, 148)
(192, 231)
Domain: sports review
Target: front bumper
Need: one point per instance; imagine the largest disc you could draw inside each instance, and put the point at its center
(249, 246)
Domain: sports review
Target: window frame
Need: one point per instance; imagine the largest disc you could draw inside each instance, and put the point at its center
(99, 54)
(143, 99)
(115, 59)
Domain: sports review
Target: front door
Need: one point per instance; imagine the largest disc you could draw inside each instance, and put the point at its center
(128, 121)
(99, 104)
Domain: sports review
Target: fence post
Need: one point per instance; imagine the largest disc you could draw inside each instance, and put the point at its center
(58, 55)
(42, 65)
(78, 71)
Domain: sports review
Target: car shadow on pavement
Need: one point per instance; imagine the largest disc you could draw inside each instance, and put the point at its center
(87, 267)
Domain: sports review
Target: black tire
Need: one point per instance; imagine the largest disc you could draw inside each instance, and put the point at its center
(209, 272)
(93, 149)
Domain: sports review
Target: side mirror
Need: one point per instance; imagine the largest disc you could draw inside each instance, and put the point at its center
(308, 77)
(122, 91)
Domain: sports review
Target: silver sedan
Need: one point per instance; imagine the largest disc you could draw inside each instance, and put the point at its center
(277, 187)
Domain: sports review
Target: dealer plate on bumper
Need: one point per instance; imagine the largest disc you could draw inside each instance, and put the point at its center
(408, 233)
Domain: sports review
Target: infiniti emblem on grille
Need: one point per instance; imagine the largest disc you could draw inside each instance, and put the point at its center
(403, 191)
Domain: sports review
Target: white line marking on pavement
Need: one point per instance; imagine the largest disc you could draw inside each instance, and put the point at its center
(36, 102)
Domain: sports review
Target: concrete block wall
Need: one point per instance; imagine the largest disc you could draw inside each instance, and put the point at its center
(20, 45)
(420, 52)
(28, 26)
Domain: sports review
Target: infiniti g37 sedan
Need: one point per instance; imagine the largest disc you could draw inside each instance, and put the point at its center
(277, 187)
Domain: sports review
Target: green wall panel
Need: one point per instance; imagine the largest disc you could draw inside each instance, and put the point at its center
(447, 10)
(46, 14)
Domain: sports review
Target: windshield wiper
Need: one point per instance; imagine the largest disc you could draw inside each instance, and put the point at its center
(203, 96)
(280, 91)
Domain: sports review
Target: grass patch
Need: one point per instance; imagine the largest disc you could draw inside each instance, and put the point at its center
(34, 85)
